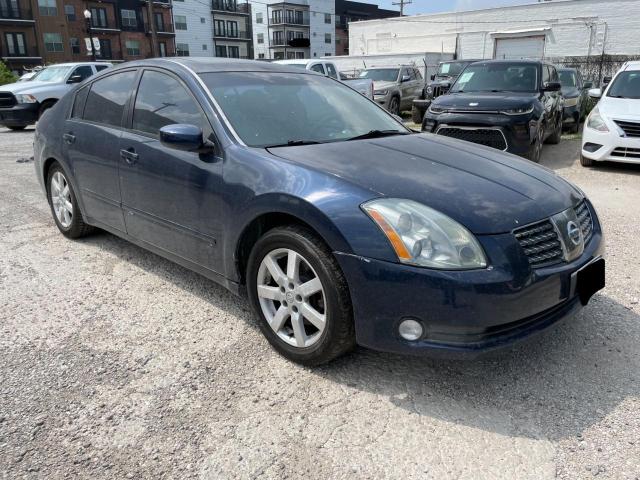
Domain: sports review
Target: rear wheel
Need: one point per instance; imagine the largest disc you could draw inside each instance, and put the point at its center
(416, 115)
(64, 205)
(17, 127)
(300, 295)
(556, 136)
(535, 152)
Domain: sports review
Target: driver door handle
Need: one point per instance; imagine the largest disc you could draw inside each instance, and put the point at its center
(69, 138)
(129, 155)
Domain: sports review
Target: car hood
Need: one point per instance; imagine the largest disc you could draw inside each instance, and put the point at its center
(26, 87)
(570, 92)
(622, 108)
(380, 85)
(485, 190)
(485, 100)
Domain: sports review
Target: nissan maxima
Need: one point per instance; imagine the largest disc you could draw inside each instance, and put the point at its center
(340, 225)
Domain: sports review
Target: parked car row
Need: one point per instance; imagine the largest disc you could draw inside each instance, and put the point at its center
(395, 88)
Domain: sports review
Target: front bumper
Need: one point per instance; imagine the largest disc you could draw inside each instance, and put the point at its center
(571, 115)
(382, 100)
(519, 131)
(21, 114)
(464, 313)
(610, 146)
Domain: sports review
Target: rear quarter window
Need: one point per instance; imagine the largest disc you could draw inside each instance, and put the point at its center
(78, 102)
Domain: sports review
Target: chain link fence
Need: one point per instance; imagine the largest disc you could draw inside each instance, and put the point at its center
(596, 67)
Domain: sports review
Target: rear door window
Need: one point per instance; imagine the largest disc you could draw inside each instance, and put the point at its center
(99, 68)
(154, 109)
(331, 70)
(84, 71)
(318, 68)
(107, 98)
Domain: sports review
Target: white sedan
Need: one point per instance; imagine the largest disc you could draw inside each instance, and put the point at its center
(612, 129)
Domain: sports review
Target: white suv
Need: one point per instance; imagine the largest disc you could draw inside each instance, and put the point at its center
(612, 129)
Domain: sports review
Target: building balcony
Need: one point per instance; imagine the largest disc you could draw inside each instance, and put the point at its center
(160, 3)
(232, 35)
(161, 29)
(19, 16)
(230, 6)
(29, 54)
(104, 27)
(281, 21)
(277, 42)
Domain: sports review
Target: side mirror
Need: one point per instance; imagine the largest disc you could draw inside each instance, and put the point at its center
(75, 79)
(552, 87)
(405, 78)
(187, 138)
(606, 80)
(587, 85)
(433, 77)
(595, 93)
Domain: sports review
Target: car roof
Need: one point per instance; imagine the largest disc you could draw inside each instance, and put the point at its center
(75, 64)
(567, 69)
(635, 65)
(213, 64)
(300, 61)
(520, 62)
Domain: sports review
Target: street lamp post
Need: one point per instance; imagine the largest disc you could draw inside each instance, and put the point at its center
(87, 16)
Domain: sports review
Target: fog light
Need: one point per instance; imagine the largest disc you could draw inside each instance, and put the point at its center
(410, 329)
(591, 147)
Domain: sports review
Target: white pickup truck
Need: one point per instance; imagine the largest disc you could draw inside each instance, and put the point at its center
(22, 103)
(362, 85)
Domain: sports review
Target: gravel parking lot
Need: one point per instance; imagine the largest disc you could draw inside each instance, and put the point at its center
(116, 363)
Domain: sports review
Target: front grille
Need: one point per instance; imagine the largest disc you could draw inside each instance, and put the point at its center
(630, 129)
(540, 243)
(624, 152)
(439, 90)
(489, 137)
(7, 99)
(586, 222)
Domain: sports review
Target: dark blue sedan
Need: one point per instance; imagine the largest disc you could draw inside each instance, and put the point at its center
(342, 226)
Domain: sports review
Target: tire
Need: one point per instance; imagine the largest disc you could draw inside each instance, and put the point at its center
(417, 115)
(575, 128)
(586, 162)
(45, 106)
(535, 152)
(556, 136)
(71, 224)
(17, 128)
(316, 264)
(394, 105)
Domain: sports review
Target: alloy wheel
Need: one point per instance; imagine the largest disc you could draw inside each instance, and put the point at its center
(394, 106)
(291, 297)
(61, 199)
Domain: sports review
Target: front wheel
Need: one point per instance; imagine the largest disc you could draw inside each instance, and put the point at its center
(535, 152)
(417, 115)
(17, 128)
(556, 136)
(585, 162)
(394, 106)
(300, 296)
(64, 205)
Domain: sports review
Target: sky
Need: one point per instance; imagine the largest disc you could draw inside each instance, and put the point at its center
(431, 6)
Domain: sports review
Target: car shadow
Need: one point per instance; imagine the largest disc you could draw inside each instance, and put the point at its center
(553, 386)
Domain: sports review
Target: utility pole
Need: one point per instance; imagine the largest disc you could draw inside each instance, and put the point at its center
(152, 28)
(402, 3)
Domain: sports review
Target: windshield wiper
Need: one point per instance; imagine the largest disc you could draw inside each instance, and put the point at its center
(293, 143)
(377, 134)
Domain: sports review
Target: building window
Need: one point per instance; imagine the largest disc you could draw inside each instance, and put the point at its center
(98, 17)
(327, 54)
(258, 17)
(182, 49)
(9, 9)
(327, 38)
(133, 47)
(70, 12)
(180, 22)
(163, 49)
(232, 29)
(260, 38)
(202, 20)
(74, 43)
(53, 42)
(47, 8)
(299, 55)
(105, 49)
(261, 55)
(234, 52)
(159, 21)
(327, 18)
(278, 38)
(221, 51)
(219, 29)
(15, 44)
(278, 55)
(276, 16)
(129, 18)
(291, 55)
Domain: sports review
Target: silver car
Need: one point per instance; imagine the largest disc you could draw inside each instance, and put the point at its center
(395, 88)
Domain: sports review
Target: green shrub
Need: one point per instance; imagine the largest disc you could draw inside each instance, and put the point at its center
(6, 75)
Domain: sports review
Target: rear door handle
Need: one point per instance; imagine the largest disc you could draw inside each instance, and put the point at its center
(129, 155)
(69, 138)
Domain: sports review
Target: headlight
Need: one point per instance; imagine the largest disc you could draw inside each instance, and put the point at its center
(380, 92)
(596, 121)
(425, 237)
(429, 90)
(518, 111)
(571, 102)
(435, 110)
(26, 98)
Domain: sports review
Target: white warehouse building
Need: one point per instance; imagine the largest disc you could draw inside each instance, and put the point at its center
(556, 29)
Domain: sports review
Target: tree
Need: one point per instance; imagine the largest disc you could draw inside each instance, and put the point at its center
(6, 75)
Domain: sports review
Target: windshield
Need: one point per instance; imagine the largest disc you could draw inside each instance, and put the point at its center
(451, 69)
(381, 74)
(268, 109)
(568, 78)
(626, 85)
(497, 77)
(52, 74)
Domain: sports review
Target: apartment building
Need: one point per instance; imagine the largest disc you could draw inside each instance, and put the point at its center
(42, 32)
(232, 33)
(194, 28)
(348, 11)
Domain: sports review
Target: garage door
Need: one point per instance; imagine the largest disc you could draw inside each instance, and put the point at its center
(519, 48)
